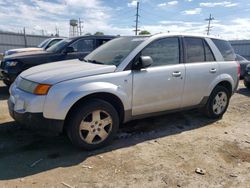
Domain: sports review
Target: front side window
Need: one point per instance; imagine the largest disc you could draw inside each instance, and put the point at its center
(163, 51)
(83, 45)
(194, 50)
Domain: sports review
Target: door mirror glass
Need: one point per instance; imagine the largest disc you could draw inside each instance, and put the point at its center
(143, 62)
(69, 49)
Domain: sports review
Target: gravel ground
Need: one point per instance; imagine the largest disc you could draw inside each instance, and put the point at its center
(157, 152)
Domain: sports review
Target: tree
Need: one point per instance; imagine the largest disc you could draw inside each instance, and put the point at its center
(99, 33)
(144, 32)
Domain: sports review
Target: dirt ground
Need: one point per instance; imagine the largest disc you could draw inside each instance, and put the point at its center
(157, 152)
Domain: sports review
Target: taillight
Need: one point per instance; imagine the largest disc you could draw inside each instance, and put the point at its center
(238, 68)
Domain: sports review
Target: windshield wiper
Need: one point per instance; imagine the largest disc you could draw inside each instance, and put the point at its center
(93, 61)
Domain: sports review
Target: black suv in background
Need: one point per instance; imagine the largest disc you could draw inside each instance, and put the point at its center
(70, 48)
(247, 77)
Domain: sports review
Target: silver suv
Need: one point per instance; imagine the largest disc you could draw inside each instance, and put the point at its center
(125, 79)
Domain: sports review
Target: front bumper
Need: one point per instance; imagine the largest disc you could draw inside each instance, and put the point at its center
(247, 78)
(10, 77)
(35, 121)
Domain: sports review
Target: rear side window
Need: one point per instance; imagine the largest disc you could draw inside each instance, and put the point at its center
(208, 53)
(194, 50)
(225, 48)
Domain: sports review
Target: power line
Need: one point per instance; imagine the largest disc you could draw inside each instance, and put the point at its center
(209, 23)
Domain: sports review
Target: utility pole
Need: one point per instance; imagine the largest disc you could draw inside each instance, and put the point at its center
(25, 39)
(57, 31)
(137, 18)
(209, 23)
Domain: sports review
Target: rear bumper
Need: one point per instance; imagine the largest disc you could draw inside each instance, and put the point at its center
(35, 121)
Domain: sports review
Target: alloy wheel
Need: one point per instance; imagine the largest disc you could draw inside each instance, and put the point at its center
(95, 127)
(220, 102)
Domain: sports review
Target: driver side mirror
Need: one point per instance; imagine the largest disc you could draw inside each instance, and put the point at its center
(69, 49)
(143, 62)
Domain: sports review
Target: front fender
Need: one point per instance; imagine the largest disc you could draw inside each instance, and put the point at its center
(60, 106)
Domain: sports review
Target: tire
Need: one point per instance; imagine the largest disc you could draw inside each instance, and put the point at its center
(87, 132)
(247, 84)
(217, 103)
(7, 83)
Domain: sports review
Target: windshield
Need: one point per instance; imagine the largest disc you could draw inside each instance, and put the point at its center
(114, 51)
(43, 44)
(59, 46)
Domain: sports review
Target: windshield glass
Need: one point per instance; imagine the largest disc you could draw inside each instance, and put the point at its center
(43, 44)
(114, 51)
(59, 46)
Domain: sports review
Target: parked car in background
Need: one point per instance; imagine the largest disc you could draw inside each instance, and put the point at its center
(70, 48)
(243, 63)
(127, 78)
(43, 46)
(247, 77)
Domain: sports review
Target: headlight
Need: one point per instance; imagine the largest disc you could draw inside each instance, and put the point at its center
(11, 63)
(33, 87)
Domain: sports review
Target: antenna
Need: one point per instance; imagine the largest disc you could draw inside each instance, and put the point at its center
(209, 24)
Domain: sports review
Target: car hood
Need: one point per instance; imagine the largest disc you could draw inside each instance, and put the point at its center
(55, 72)
(27, 54)
(23, 50)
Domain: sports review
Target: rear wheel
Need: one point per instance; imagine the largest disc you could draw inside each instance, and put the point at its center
(93, 125)
(247, 84)
(217, 103)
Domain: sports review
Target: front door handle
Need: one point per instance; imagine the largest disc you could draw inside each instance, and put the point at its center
(176, 74)
(213, 70)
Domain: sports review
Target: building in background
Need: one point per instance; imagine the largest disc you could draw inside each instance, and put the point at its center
(242, 47)
(9, 40)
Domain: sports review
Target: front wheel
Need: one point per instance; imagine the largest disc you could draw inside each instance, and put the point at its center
(93, 124)
(247, 84)
(217, 103)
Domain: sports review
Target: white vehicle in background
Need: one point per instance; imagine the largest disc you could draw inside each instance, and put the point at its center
(127, 78)
(42, 46)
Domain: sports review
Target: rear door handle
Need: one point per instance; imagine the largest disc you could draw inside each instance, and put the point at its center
(213, 70)
(176, 74)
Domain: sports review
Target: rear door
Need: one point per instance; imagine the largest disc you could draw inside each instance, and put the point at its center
(201, 70)
(160, 86)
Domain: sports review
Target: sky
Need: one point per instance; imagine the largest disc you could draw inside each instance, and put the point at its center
(231, 18)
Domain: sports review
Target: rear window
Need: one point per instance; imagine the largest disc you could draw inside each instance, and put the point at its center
(225, 48)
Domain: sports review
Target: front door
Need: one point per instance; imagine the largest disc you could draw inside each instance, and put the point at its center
(82, 48)
(159, 87)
